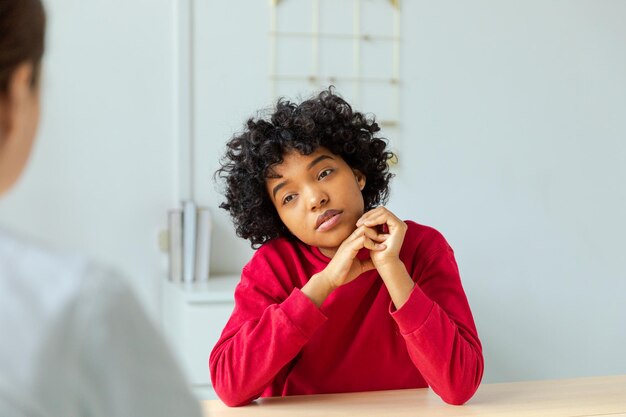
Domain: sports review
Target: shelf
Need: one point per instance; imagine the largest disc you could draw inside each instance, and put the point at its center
(218, 289)
(194, 316)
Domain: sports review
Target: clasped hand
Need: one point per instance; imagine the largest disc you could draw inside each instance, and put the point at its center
(384, 247)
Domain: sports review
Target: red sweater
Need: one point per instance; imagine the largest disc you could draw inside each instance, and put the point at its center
(277, 342)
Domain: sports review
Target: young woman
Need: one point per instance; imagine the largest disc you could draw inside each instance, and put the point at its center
(341, 295)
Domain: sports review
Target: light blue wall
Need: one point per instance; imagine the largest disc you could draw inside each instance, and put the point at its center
(518, 155)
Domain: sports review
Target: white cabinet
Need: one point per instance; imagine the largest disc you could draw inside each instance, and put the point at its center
(193, 318)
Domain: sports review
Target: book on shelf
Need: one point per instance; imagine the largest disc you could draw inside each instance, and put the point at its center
(189, 243)
(175, 244)
(189, 240)
(203, 244)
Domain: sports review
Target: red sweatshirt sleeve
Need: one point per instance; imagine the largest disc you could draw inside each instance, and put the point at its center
(438, 327)
(269, 326)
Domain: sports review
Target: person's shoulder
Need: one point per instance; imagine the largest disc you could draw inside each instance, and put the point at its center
(103, 282)
(422, 239)
(40, 274)
(275, 261)
(38, 271)
(423, 232)
(278, 244)
(273, 249)
(26, 254)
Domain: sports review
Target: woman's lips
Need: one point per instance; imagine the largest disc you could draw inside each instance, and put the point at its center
(330, 222)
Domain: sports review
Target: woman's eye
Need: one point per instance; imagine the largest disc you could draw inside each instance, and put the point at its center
(288, 198)
(325, 173)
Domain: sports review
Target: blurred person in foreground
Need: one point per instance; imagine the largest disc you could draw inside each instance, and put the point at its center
(74, 340)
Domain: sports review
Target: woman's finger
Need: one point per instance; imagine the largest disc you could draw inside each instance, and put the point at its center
(371, 245)
(370, 232)
(385, 218)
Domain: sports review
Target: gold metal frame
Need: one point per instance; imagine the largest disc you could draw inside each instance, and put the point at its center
(358, 36)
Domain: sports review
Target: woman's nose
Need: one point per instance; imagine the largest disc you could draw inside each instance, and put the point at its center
(317, 198)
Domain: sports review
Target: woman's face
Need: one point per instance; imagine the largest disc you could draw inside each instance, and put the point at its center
(318, 197)
(19, 118)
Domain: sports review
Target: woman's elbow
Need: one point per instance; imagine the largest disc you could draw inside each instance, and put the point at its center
(231, 394)
(457, 398)
(459, 395)
(232, 399)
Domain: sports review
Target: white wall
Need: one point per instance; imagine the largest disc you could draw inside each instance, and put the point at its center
(231, 64)
(103, 172)
(517, 154)
(511, 143)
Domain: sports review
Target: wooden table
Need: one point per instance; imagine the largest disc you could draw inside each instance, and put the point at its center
(598, 396)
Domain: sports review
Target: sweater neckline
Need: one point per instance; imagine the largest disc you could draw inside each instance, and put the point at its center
(318, 254)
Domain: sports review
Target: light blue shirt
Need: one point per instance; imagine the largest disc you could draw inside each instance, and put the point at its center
(74, 341)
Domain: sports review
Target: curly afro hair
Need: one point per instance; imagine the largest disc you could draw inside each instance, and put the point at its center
(326, 120)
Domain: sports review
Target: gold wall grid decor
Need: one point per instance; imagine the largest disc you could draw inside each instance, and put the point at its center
(351, 44)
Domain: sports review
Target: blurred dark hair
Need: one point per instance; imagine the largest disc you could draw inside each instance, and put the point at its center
(22, 33)
(326, 120)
